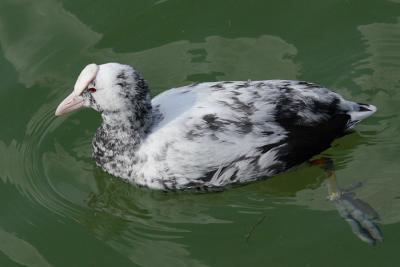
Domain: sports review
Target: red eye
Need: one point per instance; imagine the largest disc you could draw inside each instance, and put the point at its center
(91, 90)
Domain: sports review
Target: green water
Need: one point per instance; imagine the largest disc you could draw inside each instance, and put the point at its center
(58, 209)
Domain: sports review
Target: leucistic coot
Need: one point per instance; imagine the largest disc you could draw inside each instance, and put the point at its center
(207, 135)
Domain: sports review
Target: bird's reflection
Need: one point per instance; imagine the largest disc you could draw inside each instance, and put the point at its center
(138, 221)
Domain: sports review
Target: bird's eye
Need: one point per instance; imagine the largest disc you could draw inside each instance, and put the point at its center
(91, 90)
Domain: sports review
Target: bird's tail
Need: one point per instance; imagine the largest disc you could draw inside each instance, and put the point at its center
(358, 112)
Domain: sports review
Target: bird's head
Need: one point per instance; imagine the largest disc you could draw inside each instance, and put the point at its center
(109, 88)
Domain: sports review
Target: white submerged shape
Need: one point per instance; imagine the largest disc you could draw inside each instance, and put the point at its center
(207, 135)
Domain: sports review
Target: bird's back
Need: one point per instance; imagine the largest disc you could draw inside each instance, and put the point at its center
(214, 134)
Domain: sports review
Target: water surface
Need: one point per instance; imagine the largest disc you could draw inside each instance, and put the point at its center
(58, 209)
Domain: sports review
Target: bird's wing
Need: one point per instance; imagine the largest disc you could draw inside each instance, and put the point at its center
(211, 132)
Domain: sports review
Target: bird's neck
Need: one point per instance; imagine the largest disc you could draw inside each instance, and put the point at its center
(119, 136)
(127, 121)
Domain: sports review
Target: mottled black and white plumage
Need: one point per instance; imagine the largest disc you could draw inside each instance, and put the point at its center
(208, 135)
